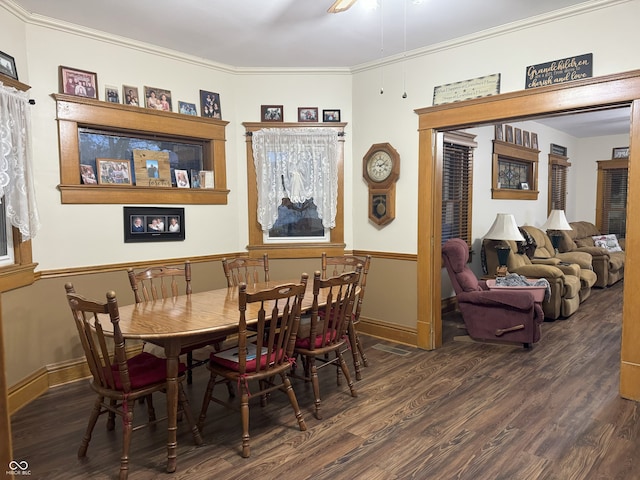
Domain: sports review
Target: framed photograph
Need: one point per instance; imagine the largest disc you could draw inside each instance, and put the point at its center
(499, 132)
(307, 114)
(152, 168)
(151, 224)
(88, 175)
(534, 141)
(195, 178)
(8, 66)
(524, 186)
(207, 179)
(78, 82)
(620, 152)
(157, 99)
(518, 135)
(130, 95)
(182, 178)
(271, 113)
(111, 94)
(113, 172)
(210, 105)
(187, 108)
(330, 115)
(526, 139)
(508, 133)
(558, 150)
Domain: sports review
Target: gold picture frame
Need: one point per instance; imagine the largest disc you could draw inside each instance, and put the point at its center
(113, 171)
(152, 168)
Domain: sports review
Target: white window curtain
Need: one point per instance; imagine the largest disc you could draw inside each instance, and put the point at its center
(298, 164)
(16, 172)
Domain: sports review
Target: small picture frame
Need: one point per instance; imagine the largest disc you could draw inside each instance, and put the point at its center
(526, 139)
(111, 94)
(210, 105)
(113, 172)
(8, 66)
(271, 113)
(620, 152)
(182, 178)
(524, 186)
(207, 179)
(499, 132)
(186, 108)
(195, 178)
(534, 141)
(518, 135)
(307, 114)
(508, 133)
(130, 95)
(78, 82)
(151, 224)
(330, 115)
(88, 175)
(558, 150)
(157, 99)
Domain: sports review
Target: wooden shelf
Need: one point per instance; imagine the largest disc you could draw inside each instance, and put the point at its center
(74, 113)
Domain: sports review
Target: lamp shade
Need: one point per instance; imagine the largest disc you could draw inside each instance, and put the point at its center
(556, 221)
(504, 228)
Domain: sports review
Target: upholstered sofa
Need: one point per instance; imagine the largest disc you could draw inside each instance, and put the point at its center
(608, 265)
(565, 285)
(545, 254)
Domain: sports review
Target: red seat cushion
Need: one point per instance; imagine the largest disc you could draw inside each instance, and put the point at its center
(250, 365)
(305, 343)
(144, 369)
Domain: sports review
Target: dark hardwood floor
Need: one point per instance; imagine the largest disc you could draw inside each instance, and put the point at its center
(465, 411)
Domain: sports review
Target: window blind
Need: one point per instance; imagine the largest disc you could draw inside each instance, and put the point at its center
(614, 201)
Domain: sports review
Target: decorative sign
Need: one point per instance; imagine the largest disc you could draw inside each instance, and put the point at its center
(467, 89)
(559, 71)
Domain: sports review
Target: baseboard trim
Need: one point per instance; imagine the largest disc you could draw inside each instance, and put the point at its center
(388, 331)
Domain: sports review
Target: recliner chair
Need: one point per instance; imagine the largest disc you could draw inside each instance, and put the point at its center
(496, 315)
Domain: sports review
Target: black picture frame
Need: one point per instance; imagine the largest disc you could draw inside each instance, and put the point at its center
(271, 113)
(8, 66)
(330, 115)
(210, 106)
(148, 216)
(620, 152)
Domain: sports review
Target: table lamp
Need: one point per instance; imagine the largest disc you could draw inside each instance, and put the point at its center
(556, 221)
(504, 228)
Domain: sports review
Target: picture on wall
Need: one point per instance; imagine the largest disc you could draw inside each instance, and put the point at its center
(271, 113)
(151, 224)
(157, 99)
(307, 114)
(111, 94)
(8, 66)
(186, 108)
(210, 105)
(130, 95)
(331, 115)
(78, 82)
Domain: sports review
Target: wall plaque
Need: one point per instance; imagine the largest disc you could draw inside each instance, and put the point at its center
(559, 71)
(467, 89)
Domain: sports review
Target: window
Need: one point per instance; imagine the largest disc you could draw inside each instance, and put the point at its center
(611, 208)
(558, 169)
(457, 173)
(299, 221)
(515, 172)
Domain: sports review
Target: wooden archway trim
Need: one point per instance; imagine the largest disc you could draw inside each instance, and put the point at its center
(594, 93)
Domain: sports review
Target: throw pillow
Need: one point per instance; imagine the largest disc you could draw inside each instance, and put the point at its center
(610, 242)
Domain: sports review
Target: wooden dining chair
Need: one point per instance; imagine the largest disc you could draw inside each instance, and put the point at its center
(159, 282)
(332, 266)
(246, 269)
(264, 358)
(117, 380)
(326, 334)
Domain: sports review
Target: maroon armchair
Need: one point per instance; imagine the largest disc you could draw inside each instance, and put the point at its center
(490, 314)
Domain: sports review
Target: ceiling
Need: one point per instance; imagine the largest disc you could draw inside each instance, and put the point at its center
(300, 33)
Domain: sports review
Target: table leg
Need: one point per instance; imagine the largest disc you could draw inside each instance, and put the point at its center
(172, 351)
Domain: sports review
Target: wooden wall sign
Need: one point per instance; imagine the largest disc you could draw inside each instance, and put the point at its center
(467, 89)
(559, 71)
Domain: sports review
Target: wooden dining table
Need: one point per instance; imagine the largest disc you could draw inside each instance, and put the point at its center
(185, 320)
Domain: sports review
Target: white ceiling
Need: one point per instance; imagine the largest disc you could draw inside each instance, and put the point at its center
(300, 33)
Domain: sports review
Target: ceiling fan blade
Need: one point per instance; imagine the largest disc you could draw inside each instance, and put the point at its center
(340, 6)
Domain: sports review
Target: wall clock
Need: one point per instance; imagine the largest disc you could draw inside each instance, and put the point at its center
(381, 170)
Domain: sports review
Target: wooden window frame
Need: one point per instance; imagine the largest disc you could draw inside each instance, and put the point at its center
(257, 246)
(74, 113)
(515, 153)
(604, 167)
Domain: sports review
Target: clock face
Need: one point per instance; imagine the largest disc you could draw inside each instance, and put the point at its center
(379, 166)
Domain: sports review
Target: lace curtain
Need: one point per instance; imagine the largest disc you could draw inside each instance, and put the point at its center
(16, 172)
(298, 164)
